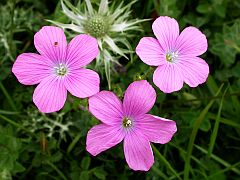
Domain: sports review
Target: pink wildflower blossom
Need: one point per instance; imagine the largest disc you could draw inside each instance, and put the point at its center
(58, 68)
(175, 55)
(128, 121)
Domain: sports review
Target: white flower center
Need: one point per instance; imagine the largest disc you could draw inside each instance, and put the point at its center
(61, 70)
(97, 26)
(127, 122)
(172, 56)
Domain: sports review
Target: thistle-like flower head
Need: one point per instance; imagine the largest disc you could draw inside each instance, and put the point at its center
(109, 24)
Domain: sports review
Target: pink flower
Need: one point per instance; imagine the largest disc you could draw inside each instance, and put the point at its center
(175, 55)
(128, 121)
(58, 68)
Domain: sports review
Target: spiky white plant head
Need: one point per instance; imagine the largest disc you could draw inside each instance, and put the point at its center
(110, 25)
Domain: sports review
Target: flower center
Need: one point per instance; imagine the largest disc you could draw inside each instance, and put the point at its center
(97, 26)
(127, 122)
(61, 69)
(172, 56)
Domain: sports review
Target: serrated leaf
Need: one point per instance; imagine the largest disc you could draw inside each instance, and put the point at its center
(227, 44)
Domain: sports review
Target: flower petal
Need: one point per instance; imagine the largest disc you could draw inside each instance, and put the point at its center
(31, 68)
(166, 30)
(106, 107)
(150, 51)
(137, 151)
(82, 49)
(50, 41)
(168, 78)
(156, 129)
(194, 69)
(50, 95)
(102, 137)
(82, 83)
(191, 42)
(139, 98)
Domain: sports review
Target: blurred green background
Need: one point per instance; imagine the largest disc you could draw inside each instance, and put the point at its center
(52, 146)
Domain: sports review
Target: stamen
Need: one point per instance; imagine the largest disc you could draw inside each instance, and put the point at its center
(61, 70)
(172, 56)
(127, 122)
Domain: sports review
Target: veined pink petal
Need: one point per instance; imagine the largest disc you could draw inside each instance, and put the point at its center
(106, 107)
(168, 78)
(166, 30)
(156, 129)
(50, 95)
(139, 98)
(31, 68)
(191, 42)
(82, 83)
(82, 49)
(102, 137)
(137, 151)
(194, 69)
(150, 51)
(50, 41)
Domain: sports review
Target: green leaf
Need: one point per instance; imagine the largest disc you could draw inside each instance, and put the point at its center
(56, 157)
(84, 175)
(9, 148)
(85, 163)
(204, 8)
(5, 175)
(100, 173)
(206, 125)
(18, 168)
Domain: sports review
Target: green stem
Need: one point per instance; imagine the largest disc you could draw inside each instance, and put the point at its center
(16, 124)
(196, 126)
(224, 170)
(10, 101)
(12, 46)
(201, 99)
(57, 170)
(8, 112)
(73, 143)
(163, 160)
(224, 120)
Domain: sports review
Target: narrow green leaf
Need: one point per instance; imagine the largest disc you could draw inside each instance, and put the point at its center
(219, 160)
(159, 172)
(196, 126)
(164, 161)
(216, 126)
(235, 101)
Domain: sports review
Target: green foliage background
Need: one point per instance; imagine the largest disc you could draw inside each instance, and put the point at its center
(52, 146)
